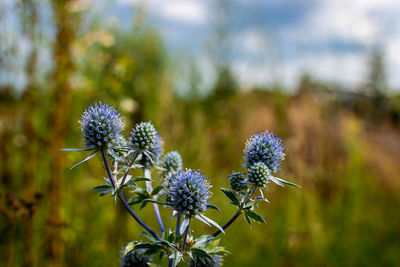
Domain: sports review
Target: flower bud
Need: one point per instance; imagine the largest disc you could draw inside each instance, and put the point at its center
(143, 136)
(172, 163)
(258, 174)
(237, 181)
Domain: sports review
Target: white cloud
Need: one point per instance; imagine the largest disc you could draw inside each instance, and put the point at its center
(188, 11)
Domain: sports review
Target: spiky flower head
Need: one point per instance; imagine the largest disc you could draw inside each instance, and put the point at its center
(119, 146)
(172, 162)
(100, 125)
(258, 174)
(237, 181)
(155, 153)
(216, 261)
(135, 258)
(188, 192)
(143, 136)
(264, 147)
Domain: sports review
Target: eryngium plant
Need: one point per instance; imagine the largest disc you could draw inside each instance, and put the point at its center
(186, 192)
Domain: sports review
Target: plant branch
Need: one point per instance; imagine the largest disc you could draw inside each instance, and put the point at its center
(155, 205)
(121, 197)
(177, 232)
(129, 167)
(238, 212)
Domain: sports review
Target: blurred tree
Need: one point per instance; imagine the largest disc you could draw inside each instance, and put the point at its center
(66, 21)
(29, 17)
(377, 84)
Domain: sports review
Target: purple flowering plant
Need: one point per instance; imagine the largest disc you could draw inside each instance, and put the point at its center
(185, 192)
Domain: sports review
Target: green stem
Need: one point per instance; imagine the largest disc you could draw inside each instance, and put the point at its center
(129, 167)
(238, 212)
(177, 232)
(147, 174)
(185, 236)
(121, 197)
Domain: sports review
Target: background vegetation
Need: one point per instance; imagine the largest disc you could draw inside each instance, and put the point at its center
(343, 149)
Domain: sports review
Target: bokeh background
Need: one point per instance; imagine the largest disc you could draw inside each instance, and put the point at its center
(323, 75)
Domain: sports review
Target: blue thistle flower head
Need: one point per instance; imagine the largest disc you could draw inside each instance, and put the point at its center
(258, 174)
(264, 147)
(136, 258)
(100, 125)
(172, 162)
(237, 181)
(144, 136)
(155, 153)
(188, 192)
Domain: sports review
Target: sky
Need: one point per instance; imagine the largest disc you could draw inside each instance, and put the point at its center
(276, 41)
(265, 42)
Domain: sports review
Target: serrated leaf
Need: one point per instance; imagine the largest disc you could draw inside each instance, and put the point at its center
(86, 159)
(286, 182)
(201, 241)
(255, 216)
(153, 201)
(231, 196)
(149, 246)
(108, 181)
(157, 190)
(212, 222)
(260, 198)
(201, 253)
(136, 200)
(184, 224)
(101, 188)
(130, 183)
(176, 257)
(139, 179)
(209, 206)
(115, 156)
(136, 166)
(141, 191)
(104, 189)
(77, 149)
(247, 219)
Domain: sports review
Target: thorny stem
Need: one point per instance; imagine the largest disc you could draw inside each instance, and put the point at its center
(177, 232)
(147, 174)
(129, 167)
(178, 224)
(121, 197)
(238, 212)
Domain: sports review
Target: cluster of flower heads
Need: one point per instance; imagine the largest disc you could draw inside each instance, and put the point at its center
(263, 156)
(100, 125)
(187, 192)
(264, 147)
(136, 258)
